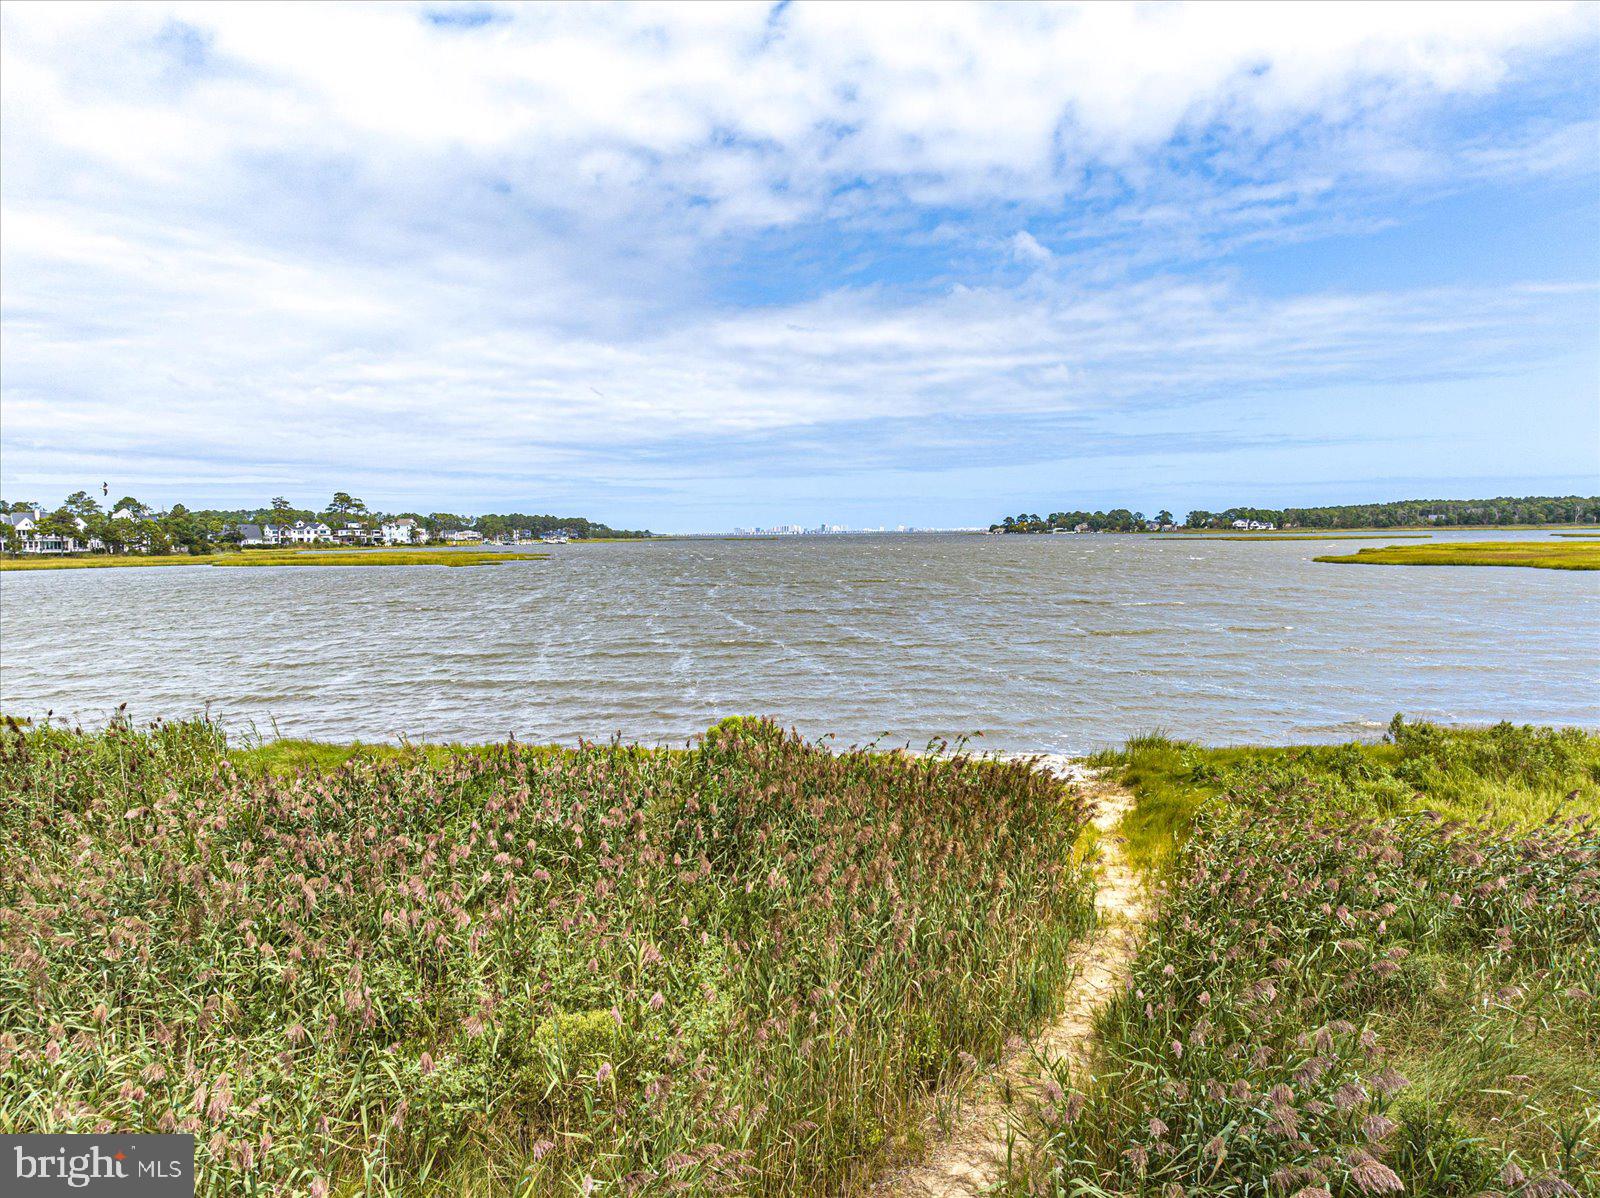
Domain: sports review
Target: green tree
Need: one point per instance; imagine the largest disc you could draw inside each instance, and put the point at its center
(116, 534)
(59, 523)
(343, 502)
(82, 505)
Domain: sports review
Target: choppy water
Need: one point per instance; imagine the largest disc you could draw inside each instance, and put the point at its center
(1039, 643)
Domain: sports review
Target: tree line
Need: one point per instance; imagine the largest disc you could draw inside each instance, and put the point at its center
(182, 530)
(1405, 513)
(1118, 520)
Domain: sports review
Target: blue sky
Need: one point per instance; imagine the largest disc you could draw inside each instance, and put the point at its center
(691, 267)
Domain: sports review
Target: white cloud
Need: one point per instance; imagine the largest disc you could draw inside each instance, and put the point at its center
(1025, 246)
(224, 222)
(727, 102)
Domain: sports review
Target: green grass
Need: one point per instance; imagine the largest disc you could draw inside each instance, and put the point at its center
(1545, 555)
(279, 557)
(288, 756)
(1278, 536)
(1372, 969)
(102, 561)
(378, 557)
(498, 970)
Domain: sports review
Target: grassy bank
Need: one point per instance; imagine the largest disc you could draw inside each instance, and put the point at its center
(102, 561)
(278, 557)
(378, 557)
(1277, 536)
(1546, 555)
(1373, 970)
(734, 969)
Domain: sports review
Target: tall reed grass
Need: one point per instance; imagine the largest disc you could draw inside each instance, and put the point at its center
(736, 969)
(1374, 970)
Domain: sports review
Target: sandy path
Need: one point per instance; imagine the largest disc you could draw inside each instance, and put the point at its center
(970, 1157)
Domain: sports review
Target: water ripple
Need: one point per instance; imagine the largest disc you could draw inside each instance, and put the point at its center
(1054, 644)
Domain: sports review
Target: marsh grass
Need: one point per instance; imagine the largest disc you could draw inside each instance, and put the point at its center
(1373, 969)
(1544, 555)
(102, 561)
(741, 968)
(377, 557)
(277, 557)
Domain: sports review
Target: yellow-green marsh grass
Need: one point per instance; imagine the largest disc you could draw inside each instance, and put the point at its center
(102, 561)
(1544, 555)
(379, 557)
(1300, 536)
(278, 557)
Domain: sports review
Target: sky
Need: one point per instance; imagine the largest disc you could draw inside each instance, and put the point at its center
(688, 267)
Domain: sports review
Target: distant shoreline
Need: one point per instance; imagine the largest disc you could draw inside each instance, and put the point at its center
(1299, 532)
(267, 559)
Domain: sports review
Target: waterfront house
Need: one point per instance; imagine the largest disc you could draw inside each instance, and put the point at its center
(404, 531)
(253, 536)
(25, 536)
(463, 536)
(303, 532)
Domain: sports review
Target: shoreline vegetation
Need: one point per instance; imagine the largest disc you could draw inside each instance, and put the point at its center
(82, 527)
(1534, 511)
(741, 968)
(266, 558)
(1373, 969)
(1275, 536)
(1542, 555)
(759, 966)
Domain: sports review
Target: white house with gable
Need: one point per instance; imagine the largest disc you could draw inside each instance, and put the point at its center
(404, 531)
(303, 533)
(25, 536)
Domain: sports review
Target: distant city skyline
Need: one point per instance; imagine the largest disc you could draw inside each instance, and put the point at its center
(782, 527)
(841, 530)
(693, 267)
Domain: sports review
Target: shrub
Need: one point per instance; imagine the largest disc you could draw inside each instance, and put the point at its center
(1245, 1057)
(604, 970)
